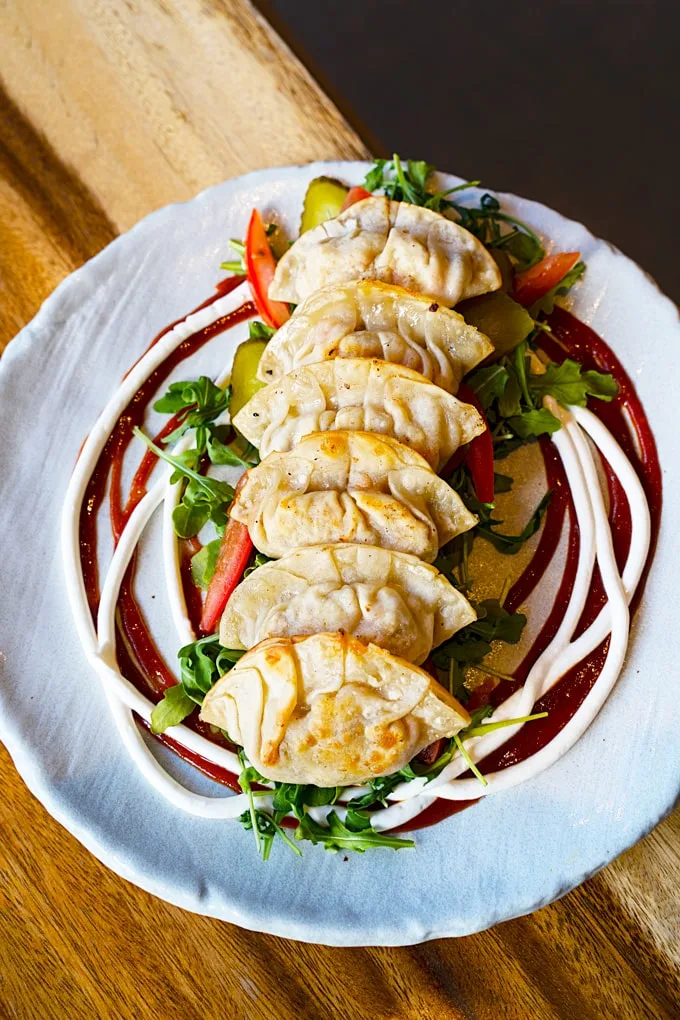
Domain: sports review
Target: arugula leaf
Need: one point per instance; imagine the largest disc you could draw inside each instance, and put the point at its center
(525, 250)
(479, 729)
(204, 498)
(534, 423)
(510, 401)
(197, 401)
(488, 384)
(468, 760)
(202, 392)
(268, 828)
(214, 489)
(473, 643)
(294, 796)
(569, 384)
(519, 360)
(495, 623)
(502, 483)
(244, 781)
(237, 266)
(173, 708)
(409, 183)
(374, 178)
(546, 304)
(202, 663)
(203, 563)
(378, 789)
(259, 330)
(221, 453)
(259, 561)
(510, 544)
(188, 519)
(337, 836)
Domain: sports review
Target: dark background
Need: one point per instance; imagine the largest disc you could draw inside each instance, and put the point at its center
(574, 104)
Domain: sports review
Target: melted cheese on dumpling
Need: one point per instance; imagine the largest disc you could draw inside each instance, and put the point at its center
(359, 394)
(366, 319)
(394, 242)
(349, 487)
(329, 710)
(377, 595)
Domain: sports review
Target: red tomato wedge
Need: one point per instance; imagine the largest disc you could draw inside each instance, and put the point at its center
(537, 281)
(260, 269)
(480, 452)
(354, 195)
(232, 560)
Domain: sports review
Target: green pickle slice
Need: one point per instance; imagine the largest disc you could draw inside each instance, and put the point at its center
(505, 322)
(244, 381)
(323, 201)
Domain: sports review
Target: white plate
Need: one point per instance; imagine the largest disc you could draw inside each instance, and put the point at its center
(508, 855)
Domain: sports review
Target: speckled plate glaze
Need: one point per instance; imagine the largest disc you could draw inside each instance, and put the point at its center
(508, 855)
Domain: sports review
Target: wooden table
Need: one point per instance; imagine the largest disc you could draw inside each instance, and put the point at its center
(110, 109)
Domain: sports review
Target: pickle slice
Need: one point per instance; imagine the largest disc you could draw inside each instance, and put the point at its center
(244, 381)
(504, 321)
(323, 201)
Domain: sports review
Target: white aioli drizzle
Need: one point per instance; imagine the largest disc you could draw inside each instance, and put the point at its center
(409, 799)
(99, 645)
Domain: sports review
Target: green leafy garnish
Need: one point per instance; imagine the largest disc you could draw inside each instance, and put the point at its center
(407, 181)
(533, 423)
(197, 402)
(205, 499)
(569, 384)
(259, 330)
(546, 304)
(236, 266)
(220, 452)
(468, 760)
(477, 729)
(489, 383)
(259, 561)
(174, 707)
(339, 835)
(512, 395)
(355, 833)
(510, 544)
(202, 663)
(471, 645)
(203, 563)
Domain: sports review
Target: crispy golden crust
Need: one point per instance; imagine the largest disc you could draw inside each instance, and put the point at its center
(330, 710)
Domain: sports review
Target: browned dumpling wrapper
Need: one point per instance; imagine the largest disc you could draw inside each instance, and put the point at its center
(393, 242)
(349, 487)
(362, 394)
(367, 319)
(329, 710)
(377, 595)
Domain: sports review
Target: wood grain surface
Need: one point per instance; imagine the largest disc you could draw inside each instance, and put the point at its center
(109, 109)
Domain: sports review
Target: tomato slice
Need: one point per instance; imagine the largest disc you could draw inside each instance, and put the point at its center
(535, 283)
(232, 560)
(260, 269)
(354, 195)
(480, 452)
